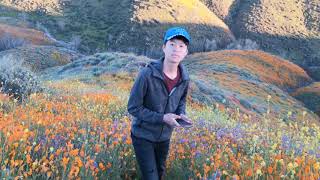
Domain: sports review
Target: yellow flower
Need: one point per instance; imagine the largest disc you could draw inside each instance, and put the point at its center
(269, 97)
(280, 161)
(274, 146)
(316, 166)
(304, 113)
(259, 172)
(225, 172)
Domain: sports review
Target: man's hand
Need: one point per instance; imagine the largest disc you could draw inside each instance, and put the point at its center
(170, 119)
(185, 118)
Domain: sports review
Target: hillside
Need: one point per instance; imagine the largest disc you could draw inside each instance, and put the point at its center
(224, 9)
(289, 29)
(233, 79)
(286, 28)
(29, 35)
(252, 81)
(126, 26)
(208, 32)
(39, 58)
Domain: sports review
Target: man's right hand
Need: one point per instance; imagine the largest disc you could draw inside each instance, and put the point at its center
(170, 119)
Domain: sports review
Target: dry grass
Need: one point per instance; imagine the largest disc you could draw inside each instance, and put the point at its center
(39, 58)
(222, 8)
(176, 11)
(31, 35)
(268, 68)
(53, 7)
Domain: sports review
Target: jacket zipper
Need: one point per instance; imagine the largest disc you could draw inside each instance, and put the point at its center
(166, 106)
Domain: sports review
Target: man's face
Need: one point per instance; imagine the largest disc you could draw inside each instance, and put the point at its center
(175, 50)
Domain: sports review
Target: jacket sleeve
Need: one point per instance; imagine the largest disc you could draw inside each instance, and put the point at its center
(182, 103)
(135, 103)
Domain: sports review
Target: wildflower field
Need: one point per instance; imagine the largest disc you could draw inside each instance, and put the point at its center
(81, 130)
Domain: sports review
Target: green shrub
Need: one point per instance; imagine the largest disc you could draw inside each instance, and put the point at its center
(17, 81)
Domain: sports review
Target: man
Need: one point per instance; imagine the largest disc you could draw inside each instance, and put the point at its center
(157, 100)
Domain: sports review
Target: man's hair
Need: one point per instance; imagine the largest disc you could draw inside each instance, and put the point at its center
(185, 41)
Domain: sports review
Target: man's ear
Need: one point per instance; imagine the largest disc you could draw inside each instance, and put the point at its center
(163, 46)
(187, 51)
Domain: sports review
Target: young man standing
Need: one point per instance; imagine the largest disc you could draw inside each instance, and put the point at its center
(157, 100)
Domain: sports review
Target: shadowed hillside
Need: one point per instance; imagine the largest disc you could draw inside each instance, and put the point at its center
(310, 96)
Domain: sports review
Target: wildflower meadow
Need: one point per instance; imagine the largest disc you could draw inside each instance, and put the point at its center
(80, 129)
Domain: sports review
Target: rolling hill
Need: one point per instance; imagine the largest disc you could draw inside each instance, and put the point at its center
(234, 79)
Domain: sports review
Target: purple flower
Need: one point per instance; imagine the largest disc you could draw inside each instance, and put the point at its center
(221, 133)
(124, 138)
(58, 141)
(197, 154)
(285, 142)
(183, 140)
(311, 152)
(237, 133)
(193, 144)
(298, 150)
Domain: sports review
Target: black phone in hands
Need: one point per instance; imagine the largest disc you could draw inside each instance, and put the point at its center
(184, 123)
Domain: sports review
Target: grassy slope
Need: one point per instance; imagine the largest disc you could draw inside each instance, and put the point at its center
(223, 77)
(228, 78)
(30, 35)
(39, 58)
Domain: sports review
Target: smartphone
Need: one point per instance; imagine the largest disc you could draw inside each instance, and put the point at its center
(183, 123)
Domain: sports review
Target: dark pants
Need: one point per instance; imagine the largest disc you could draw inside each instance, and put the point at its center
(151, 157)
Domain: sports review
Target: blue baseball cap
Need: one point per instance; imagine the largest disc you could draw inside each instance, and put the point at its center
(176, 31)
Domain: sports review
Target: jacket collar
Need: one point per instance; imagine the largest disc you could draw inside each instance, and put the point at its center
(157, 69)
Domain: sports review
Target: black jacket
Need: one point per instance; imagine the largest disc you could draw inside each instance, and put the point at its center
(149, 100)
